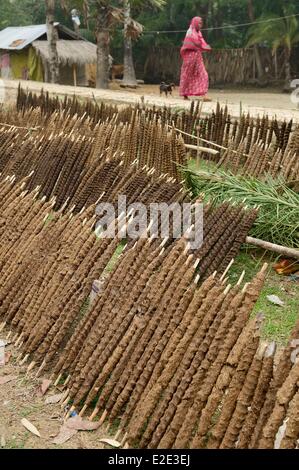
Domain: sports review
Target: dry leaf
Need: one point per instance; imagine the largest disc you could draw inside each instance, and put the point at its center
(111, 442)
(64, 435)
(275, 300)
(280, 434)
(45, 386)
(53, 399)
(30, 427)
(7, 357)
(7, 378)
(80, 424)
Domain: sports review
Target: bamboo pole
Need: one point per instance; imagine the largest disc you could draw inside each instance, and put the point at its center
(281, 250)
(202, 149)
(198, 148)
(75, 74)
(205, 141)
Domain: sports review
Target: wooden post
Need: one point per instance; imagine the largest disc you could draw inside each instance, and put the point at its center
(75, 74)
(276, 65)
(198, 149)
(281, 250)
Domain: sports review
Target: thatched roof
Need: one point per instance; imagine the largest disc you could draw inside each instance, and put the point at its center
(69, 52)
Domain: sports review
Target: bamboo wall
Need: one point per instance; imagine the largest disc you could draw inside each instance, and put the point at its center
(225, 66)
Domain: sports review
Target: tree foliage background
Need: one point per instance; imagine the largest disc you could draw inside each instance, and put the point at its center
(175, 16)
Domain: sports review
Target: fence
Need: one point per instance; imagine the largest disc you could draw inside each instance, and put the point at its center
(225, 66)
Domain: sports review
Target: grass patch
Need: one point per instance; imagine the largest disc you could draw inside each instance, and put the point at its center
(115, 257)
(16, 443)
(279, 321)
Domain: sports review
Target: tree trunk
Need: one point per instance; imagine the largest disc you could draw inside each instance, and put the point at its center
(52, 38)
(76, 27)
(259, 66)
(288, 77)
(129, 79)
(103, 39)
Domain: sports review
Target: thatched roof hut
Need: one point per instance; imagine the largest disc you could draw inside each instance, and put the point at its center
(69, 52)
(24, 54)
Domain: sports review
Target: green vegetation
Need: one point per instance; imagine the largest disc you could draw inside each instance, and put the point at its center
(279, 321)
(220, 17)
(278, 218)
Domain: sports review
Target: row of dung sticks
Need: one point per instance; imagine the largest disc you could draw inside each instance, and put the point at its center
(77, 162)
(255, 147)
(167, 350)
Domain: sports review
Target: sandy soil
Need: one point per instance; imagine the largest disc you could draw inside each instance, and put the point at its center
(256, 102)
(22, 398)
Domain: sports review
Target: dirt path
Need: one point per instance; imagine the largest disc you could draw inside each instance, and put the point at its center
(253, 101)
(22, 398)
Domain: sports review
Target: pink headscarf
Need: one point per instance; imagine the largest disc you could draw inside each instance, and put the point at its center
(194, 40)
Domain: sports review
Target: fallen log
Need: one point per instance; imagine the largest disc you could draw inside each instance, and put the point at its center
(281, 250)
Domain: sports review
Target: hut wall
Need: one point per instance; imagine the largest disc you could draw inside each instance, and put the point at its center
(5, 68)
(67, 75)
(19, 64)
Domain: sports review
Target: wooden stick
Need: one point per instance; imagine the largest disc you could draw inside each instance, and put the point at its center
(31, 366)
(75, 74)
(281, 250)
(57, 380)
(94, 413)
(14, 337)
(227, 269)
(83, 411)
(124, 439)
(103, 417)
(19, 339)
(67, 381)
(201, 149)
(117, 435)
(18, 127)
(206, 141)
(24, 359)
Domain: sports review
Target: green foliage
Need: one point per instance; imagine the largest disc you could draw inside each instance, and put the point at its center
(279, 321)
(168, 15)
(278, 219)
(280, 33)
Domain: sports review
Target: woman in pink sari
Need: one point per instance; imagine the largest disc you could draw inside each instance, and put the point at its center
(194, 77)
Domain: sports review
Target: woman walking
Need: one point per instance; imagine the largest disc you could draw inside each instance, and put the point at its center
(194, 77)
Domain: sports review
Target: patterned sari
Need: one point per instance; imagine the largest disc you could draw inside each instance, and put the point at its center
(194, 77)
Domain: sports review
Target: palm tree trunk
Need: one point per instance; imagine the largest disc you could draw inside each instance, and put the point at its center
(103, 39)
(288, 77)
(52, 38)
(129, 79)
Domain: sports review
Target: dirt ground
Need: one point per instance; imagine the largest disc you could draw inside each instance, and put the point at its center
(22, 398)
(256, 102)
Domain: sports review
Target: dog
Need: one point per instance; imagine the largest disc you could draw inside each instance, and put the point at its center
(166, 88)
(117, 71)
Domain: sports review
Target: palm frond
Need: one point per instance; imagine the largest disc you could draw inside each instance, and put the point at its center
(278, 219)
(133, 29)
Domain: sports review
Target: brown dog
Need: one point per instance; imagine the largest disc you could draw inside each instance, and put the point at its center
(117, 71)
